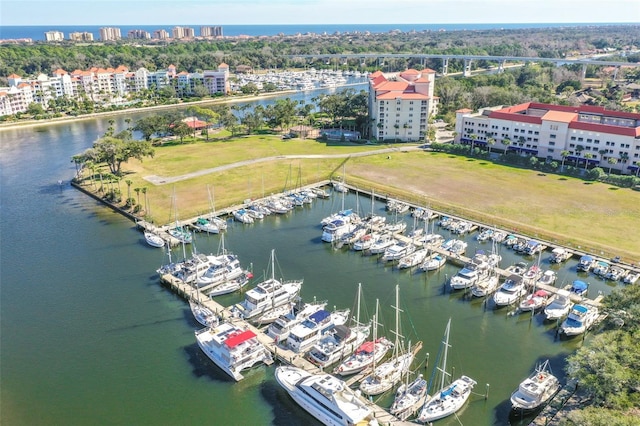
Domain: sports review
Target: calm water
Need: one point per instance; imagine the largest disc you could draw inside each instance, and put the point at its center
(88, 336)
(37, 32)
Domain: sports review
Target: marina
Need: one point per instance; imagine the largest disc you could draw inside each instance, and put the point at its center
(102, 318)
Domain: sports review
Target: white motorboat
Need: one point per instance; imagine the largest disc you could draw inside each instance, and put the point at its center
(559, 255)
(454, 246)
(336, 343)
(580, 319)
(485, 285)
(518, 268)
(203, 314)
(305, 334)
(325, 397)
(601, 268)
(398, 250)
(154, 240)
(498, 236)
(466, 277)
(560, 305)
(532, 275)
(385, 241)
(279, 329)
(536, 390)
(223, 268)
(243, 216)
(434, 262)
(413, 259)
(190, 269)
(232, 349)
(231, 286)
(346, 215)
(268, 295)
(579, 288)
(430, 240)
(586, 263)
(205, 225)
(510, 291)
(548, 278)
(450, 398)
(334, 230)
(616, 273)
(365, 242)
(484, 235)
(409, 398)
(535, 301)
(631, 278)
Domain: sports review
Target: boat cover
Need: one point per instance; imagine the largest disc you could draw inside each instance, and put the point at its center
(319, 316)
(236, 339)
(579, 286)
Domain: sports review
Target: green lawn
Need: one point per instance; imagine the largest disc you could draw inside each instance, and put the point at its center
(592, 216)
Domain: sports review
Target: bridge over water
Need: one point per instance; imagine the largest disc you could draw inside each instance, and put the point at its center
(468, 59)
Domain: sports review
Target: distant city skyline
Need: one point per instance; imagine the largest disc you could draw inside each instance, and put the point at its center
(278, 12)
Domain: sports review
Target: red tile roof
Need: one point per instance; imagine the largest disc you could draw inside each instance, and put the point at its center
(560, 116)
(402, 95)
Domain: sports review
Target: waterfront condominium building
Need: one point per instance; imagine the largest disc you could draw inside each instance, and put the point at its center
(183, 32)
(211, 31)
(581, 135)
(54, 36)
(400, 104)
(161, 35)
(81, 36)
(110, 34)
(138, 34)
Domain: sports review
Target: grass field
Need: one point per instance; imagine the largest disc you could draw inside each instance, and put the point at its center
(593, 217)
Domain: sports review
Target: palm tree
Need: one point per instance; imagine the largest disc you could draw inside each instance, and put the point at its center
(611, 161)
(587, 157)
(602, 153)
(624, 157)
(146, 201)
(128, 182)
(506, 142)
(579, 149)
(473, 138)
(490, 143)
(137, 190)
(564, 154)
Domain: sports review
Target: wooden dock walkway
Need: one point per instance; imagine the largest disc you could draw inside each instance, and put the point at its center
(279, 353)
(565, 400)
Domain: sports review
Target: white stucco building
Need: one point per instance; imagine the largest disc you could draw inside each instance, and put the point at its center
(400, 104)
(586, 133)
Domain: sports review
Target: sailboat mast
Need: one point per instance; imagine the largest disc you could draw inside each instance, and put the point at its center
(358, 307)
(273, 264)
(446, 350)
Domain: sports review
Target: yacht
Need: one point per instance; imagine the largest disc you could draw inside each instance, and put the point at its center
(336, 343)
(616, 273)
(547, 278)
(485, 285)
(510, 291)
(192, 268)
(305, 334)
(559, 306)
(398, 251)
(579, 320)
(325, 397)
(382, 243)
(243, 216)
(267, 295)
(223, 268)
(279, 329)
(334, 230)
(231, 348)
(536, 390)
(466, 277)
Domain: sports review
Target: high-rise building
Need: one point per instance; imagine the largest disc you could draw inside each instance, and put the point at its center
(110, 34)
(183, 32)
(81, 36)
(161, 35)
(400, 105)
(54, 36)
(211, 31)
(138, 34)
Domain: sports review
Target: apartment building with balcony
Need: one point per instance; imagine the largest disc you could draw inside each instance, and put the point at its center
(582, 135)
(215, 31)
(183, 32)
(110, 34)
(54, 36)
(81, 36)
(400, 104)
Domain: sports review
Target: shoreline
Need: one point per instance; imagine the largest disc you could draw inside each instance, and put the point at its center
(63, 120)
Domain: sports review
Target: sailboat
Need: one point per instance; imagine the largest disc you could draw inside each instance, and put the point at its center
(386, 375)
(179, 232)
(213, 224)
(409, 398)
(451, 397)
(369, 353)
(202, 313)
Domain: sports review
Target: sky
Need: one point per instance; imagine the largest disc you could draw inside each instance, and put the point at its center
(246, 12)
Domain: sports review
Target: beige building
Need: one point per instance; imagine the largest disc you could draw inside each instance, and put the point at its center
(110, 34)
(81, 36)
(54, 36)
(582, 135)
(400, 104)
